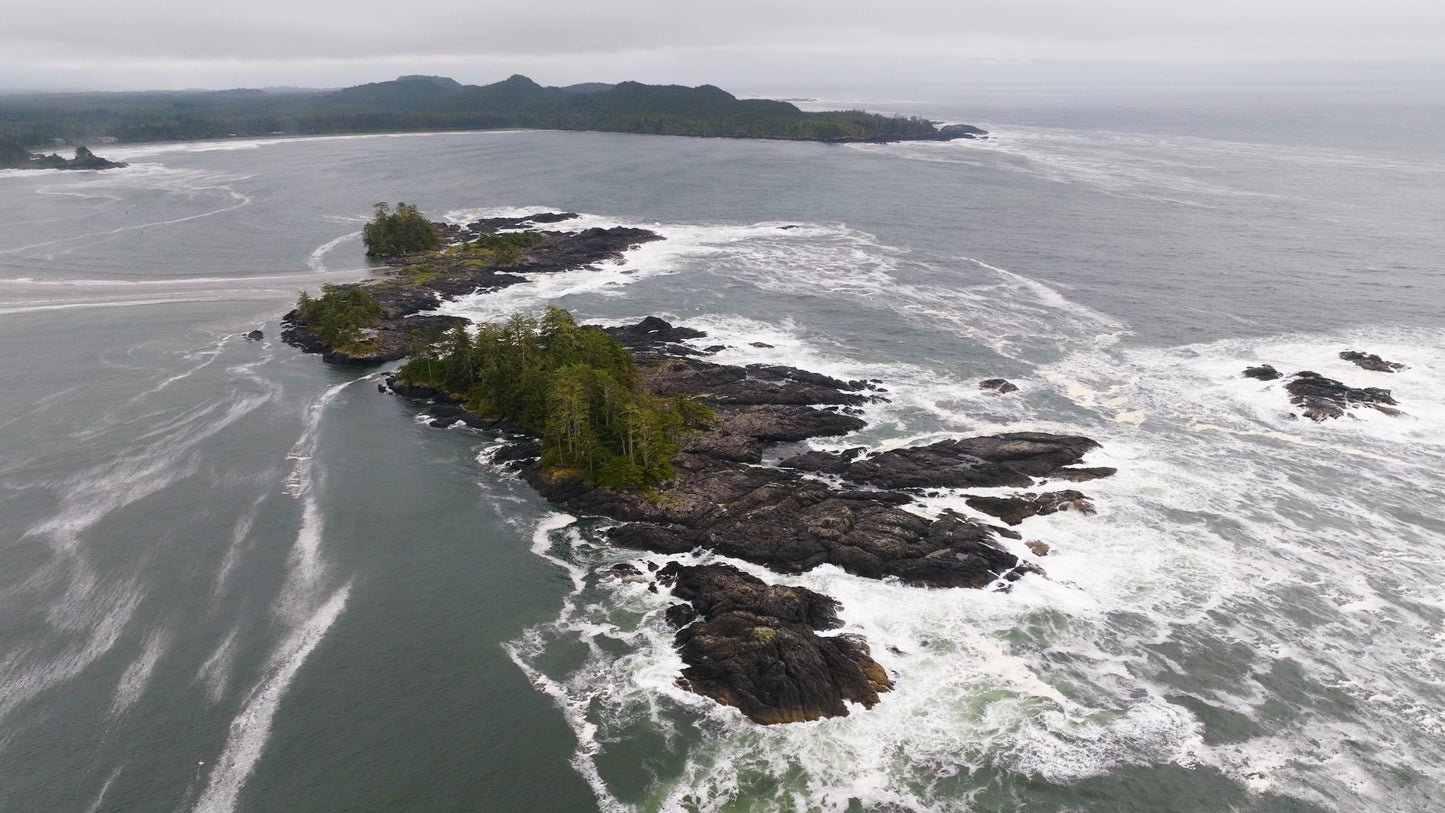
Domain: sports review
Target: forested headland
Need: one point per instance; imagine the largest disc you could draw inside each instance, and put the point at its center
(14, 155)
(433, 103)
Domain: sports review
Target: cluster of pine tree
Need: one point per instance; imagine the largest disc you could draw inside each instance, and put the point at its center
(576, 386)
(339, 315)
(400, 232)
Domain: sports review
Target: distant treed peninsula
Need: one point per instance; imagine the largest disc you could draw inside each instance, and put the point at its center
(425, 103)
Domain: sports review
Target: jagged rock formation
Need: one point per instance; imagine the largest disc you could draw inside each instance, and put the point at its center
(1370, 361)
(755, 646)
(1322, 398)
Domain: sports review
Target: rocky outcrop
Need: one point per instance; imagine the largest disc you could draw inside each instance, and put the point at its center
(1370, 361)
(12, 155)
(416, 283)
(1264, 372)
(755, 646)
(1011, 459)
(998, 385)
(1321, 398)
(951, 131)
(754, 385)
(392, 339)
(721, 500)
(654, 335)
(1016, 508)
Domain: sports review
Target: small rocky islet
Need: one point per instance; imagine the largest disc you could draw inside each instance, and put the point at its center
(745, 643)
(14, 155)
(1320, 399)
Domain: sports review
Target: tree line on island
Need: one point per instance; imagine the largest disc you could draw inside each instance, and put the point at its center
(574, 386)
(417, 103)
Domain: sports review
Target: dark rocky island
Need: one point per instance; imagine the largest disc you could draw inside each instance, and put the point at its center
(13, 155)
(416, 282)
(736, 631)
(745, 643)
(1321, 399)
(1370, 361)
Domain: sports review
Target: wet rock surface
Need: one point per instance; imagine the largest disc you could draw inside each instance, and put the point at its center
(654, 335)
(1370, 361)
(1011, 459)
(755, 646)
(1321, 398)
(998, 385)
(1015, 509)
(1264, 372)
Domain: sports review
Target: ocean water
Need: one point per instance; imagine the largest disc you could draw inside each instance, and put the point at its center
(233, 578)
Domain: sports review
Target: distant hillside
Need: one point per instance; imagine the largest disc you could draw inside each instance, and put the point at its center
(13, 154)
(417, 103)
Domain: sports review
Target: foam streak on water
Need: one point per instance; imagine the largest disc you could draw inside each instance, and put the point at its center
(307, 606)
(85, 606)
(808, 261)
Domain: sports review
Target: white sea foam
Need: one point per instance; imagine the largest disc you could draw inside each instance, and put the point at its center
(1150, 168)
(317, 261)
(85, 597)
(307, 606)
(1322, 521)
(136, 676)
(24, 295)
(125, 152)
(252, 726)
(216, 670)
(27, 671)
(104, 789)
(810, 260)
(961, 296)
(240, 543)
(1223, 508)
(298, 483)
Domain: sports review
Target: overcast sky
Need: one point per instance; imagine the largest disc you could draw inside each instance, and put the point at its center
(141, 44)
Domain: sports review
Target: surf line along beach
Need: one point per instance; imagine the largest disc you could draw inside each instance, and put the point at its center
(745, 642)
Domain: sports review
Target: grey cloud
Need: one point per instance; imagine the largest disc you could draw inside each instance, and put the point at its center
(261, 39)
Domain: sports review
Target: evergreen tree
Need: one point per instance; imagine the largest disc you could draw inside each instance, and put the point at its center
(398, 232)
(575, 386)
